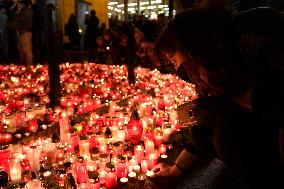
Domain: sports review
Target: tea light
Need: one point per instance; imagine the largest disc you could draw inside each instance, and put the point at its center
(164, 156)
(124, 180)
(149, 173)
(132, 175)
(47, 174)
(141, 177)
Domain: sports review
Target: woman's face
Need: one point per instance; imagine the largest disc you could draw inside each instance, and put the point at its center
(197, 73)
(177, 59)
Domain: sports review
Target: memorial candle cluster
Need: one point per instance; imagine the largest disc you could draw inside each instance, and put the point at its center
(108, 129)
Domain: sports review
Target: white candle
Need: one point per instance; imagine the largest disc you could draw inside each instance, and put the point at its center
(149, 173)
(124, 180)
(132, 175)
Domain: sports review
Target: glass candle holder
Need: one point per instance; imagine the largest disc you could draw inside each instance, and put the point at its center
(111, 178)
(33, 156)
(117, 149)
(94, 183)
(84, 148)
(81, 172)
(121, 168)
(10, 120)
(15, 170)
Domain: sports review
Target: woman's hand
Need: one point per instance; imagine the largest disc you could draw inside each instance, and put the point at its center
(165, 174)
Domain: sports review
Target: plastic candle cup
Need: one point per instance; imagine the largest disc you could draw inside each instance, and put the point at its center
(121, 168)
(139, 153)
(111, 178)
(149, 147)
(144, 166)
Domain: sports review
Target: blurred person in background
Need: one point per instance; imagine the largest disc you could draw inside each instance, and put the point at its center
(92, 31)
(23, 21)
(72, 31)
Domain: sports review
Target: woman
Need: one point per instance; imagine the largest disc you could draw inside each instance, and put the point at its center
(236, 63)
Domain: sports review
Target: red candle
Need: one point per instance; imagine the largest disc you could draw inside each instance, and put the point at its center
(94, 185)
(111, 179)
(33, 125)
(59, 155)
(63, 101)
(153, 160)
(82, 173)
(121, 170)
(70, 148)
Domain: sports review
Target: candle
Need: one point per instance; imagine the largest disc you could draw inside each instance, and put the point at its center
(153, 160)
(149, 147)
(94, 184)
(149, 173)
(139, 153)
(141, 177)
(103, 148)
(82, 173)
(15, 170)
(102, 174)
(63, 101)
(64, 127)
(59, 155)
(111, 179)
(136, 169)
(121, 169)
(132, 175)
(158, 138)
(83, 186)
(120, 135)
(124, 180)
(166, 133)
(163, 149)
(92, 166)
(84, 148)
(144, 166)
(10, 120)
(33, 156)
